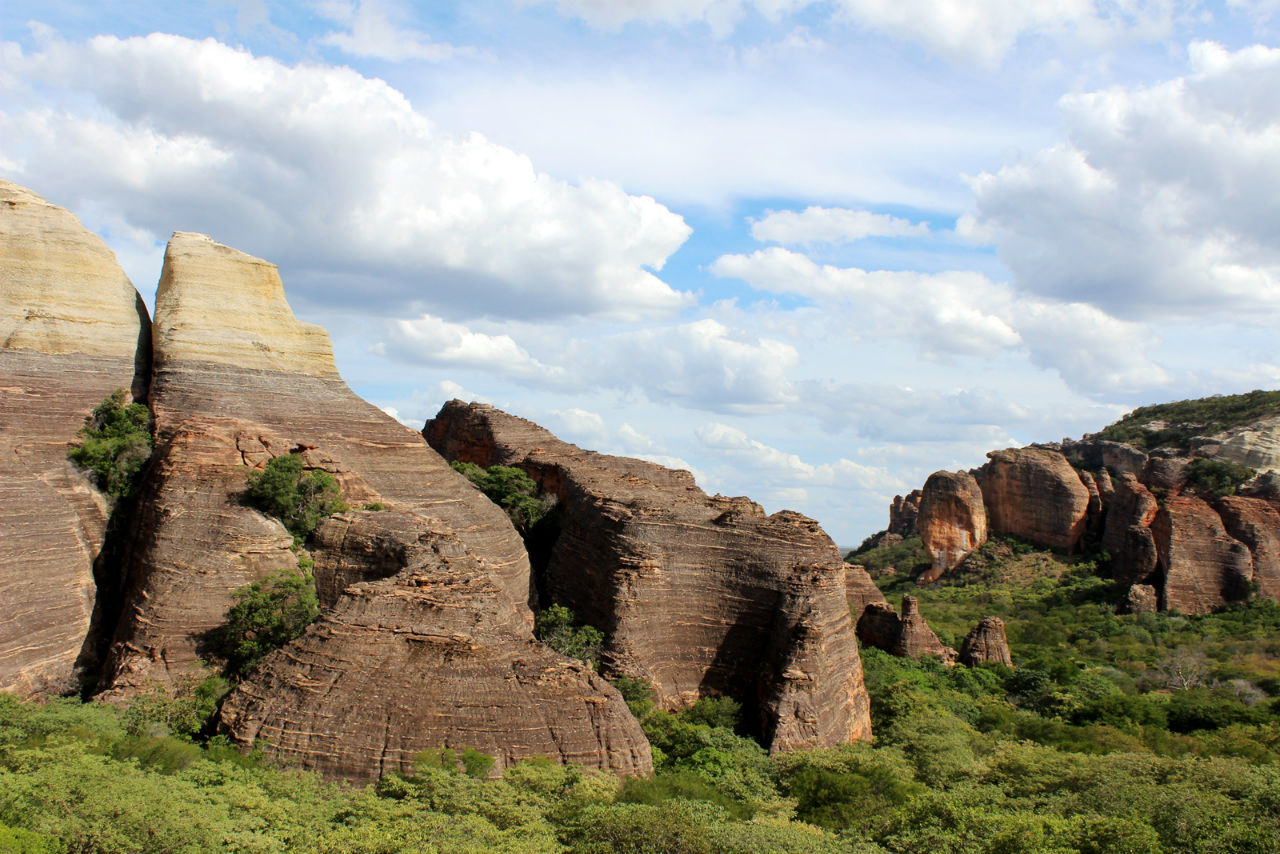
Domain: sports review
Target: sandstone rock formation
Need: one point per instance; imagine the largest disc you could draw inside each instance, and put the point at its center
(903, 513)
(418, 648)
(1255, 445)
(1140, 599)
(1127, 535)
(952, 520)
(906, 636)
(1035, 494)
(987, 642)
(1256, 523)
(236, 381)
(860, 590)
(1202, 565)
(71, 329)
(699, 595)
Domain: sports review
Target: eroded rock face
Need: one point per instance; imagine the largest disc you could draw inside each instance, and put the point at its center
(1256, 523)
(1127, 534)
(903, 513)
(697, 594)
(71, 329)
(987, 642)
(237, 380)
(1035, 494)
(906, 635)
(1140, 599)
(418, 648)
(952, 520)
(1255, 445)
(1203, 566)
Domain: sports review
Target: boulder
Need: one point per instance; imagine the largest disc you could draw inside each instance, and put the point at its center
(237, 380)
(1140, 599)
(1203, 566)
(72, 331)
(906, 635)
(952, 520)
(697, 594)
(987, 642)
(1035, 494)
(418, 648)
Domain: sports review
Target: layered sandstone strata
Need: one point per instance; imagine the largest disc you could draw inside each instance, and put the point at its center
(952, 520)
(906, 635)
(237, 380)
(418, 648)
(697, 594)
(71, 331)
(1203, 567)
(1035, 494)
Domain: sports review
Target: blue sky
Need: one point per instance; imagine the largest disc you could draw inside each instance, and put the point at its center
(812, 251)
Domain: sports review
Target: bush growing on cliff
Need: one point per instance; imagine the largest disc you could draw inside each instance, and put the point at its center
(115, 444)
(300, 499)
(510, 488)
(559, 629)
(1218, 478)
(267, 614)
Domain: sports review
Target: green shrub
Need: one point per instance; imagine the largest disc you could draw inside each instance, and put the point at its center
(558, 628)
(1218, 478)
(477, 764)
(115, 444)
(511, 489)
(638, 694)
(267, 614)
(184, 710)
(300, 499)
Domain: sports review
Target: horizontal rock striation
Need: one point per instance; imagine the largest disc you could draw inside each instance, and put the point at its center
(418, 648)
(987, 642)
(699, 595)
(1203, 567)
(71, 330)
(906, 635)
(237, 380)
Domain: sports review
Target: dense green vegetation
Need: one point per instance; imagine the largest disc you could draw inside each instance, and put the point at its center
(1216, 478)
(115, 444)
(265, 616)
(511, 489)
(558, 628)
(1186, 419)
(298, 498)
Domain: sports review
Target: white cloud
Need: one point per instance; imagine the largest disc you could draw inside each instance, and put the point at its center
(1165, 202)
(831, 225)
(373, 32)
(430, 340)
(734, 443)
(971, 30)
(336, 177)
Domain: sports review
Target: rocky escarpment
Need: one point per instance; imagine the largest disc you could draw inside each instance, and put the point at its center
(952, 520)
(697, 594)
(444, 659)
(1036, 495)
(71, 329)
(236, 381)
(906, 635)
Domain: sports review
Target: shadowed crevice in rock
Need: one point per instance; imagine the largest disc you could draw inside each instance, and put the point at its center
(696, 594)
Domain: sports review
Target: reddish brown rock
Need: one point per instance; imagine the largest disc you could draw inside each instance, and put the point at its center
(418, 648)
(1256, 523)
(71, 326)
(1165, 473)
(1094, 514)
(860, 590)
(1127, 535)
(952, 520)
(1035, 494)
(906, 635)
(699, 595)
(1140, 599)
(1106, 489)
(987, 642)
(238, 380)
(1203, 566)
(1094, 454)
(903, 513)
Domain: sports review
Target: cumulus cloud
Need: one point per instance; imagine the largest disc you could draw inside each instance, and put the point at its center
(971, 30)
(963, 313)
(336, 177)
(734, 443)
(431, 340)
(1163, 203)
(374, 31)
(831, 225)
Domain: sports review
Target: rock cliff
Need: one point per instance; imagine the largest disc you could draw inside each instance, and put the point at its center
(71, 331)
(697, 594)
(1035, 494)
(444, 660)
(952, 520)
(906, 635)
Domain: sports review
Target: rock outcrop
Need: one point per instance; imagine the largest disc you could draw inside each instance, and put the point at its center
(71, 329)
(952, 520)
(1140, 599)
(1127, 535)
(987, 642)
(906, 635)
(697, 594)
(1255, 445)
(418, 648)
(1203, 567)
(903, 513)
(1035, 494)
(238, 380)
(1256, 523)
